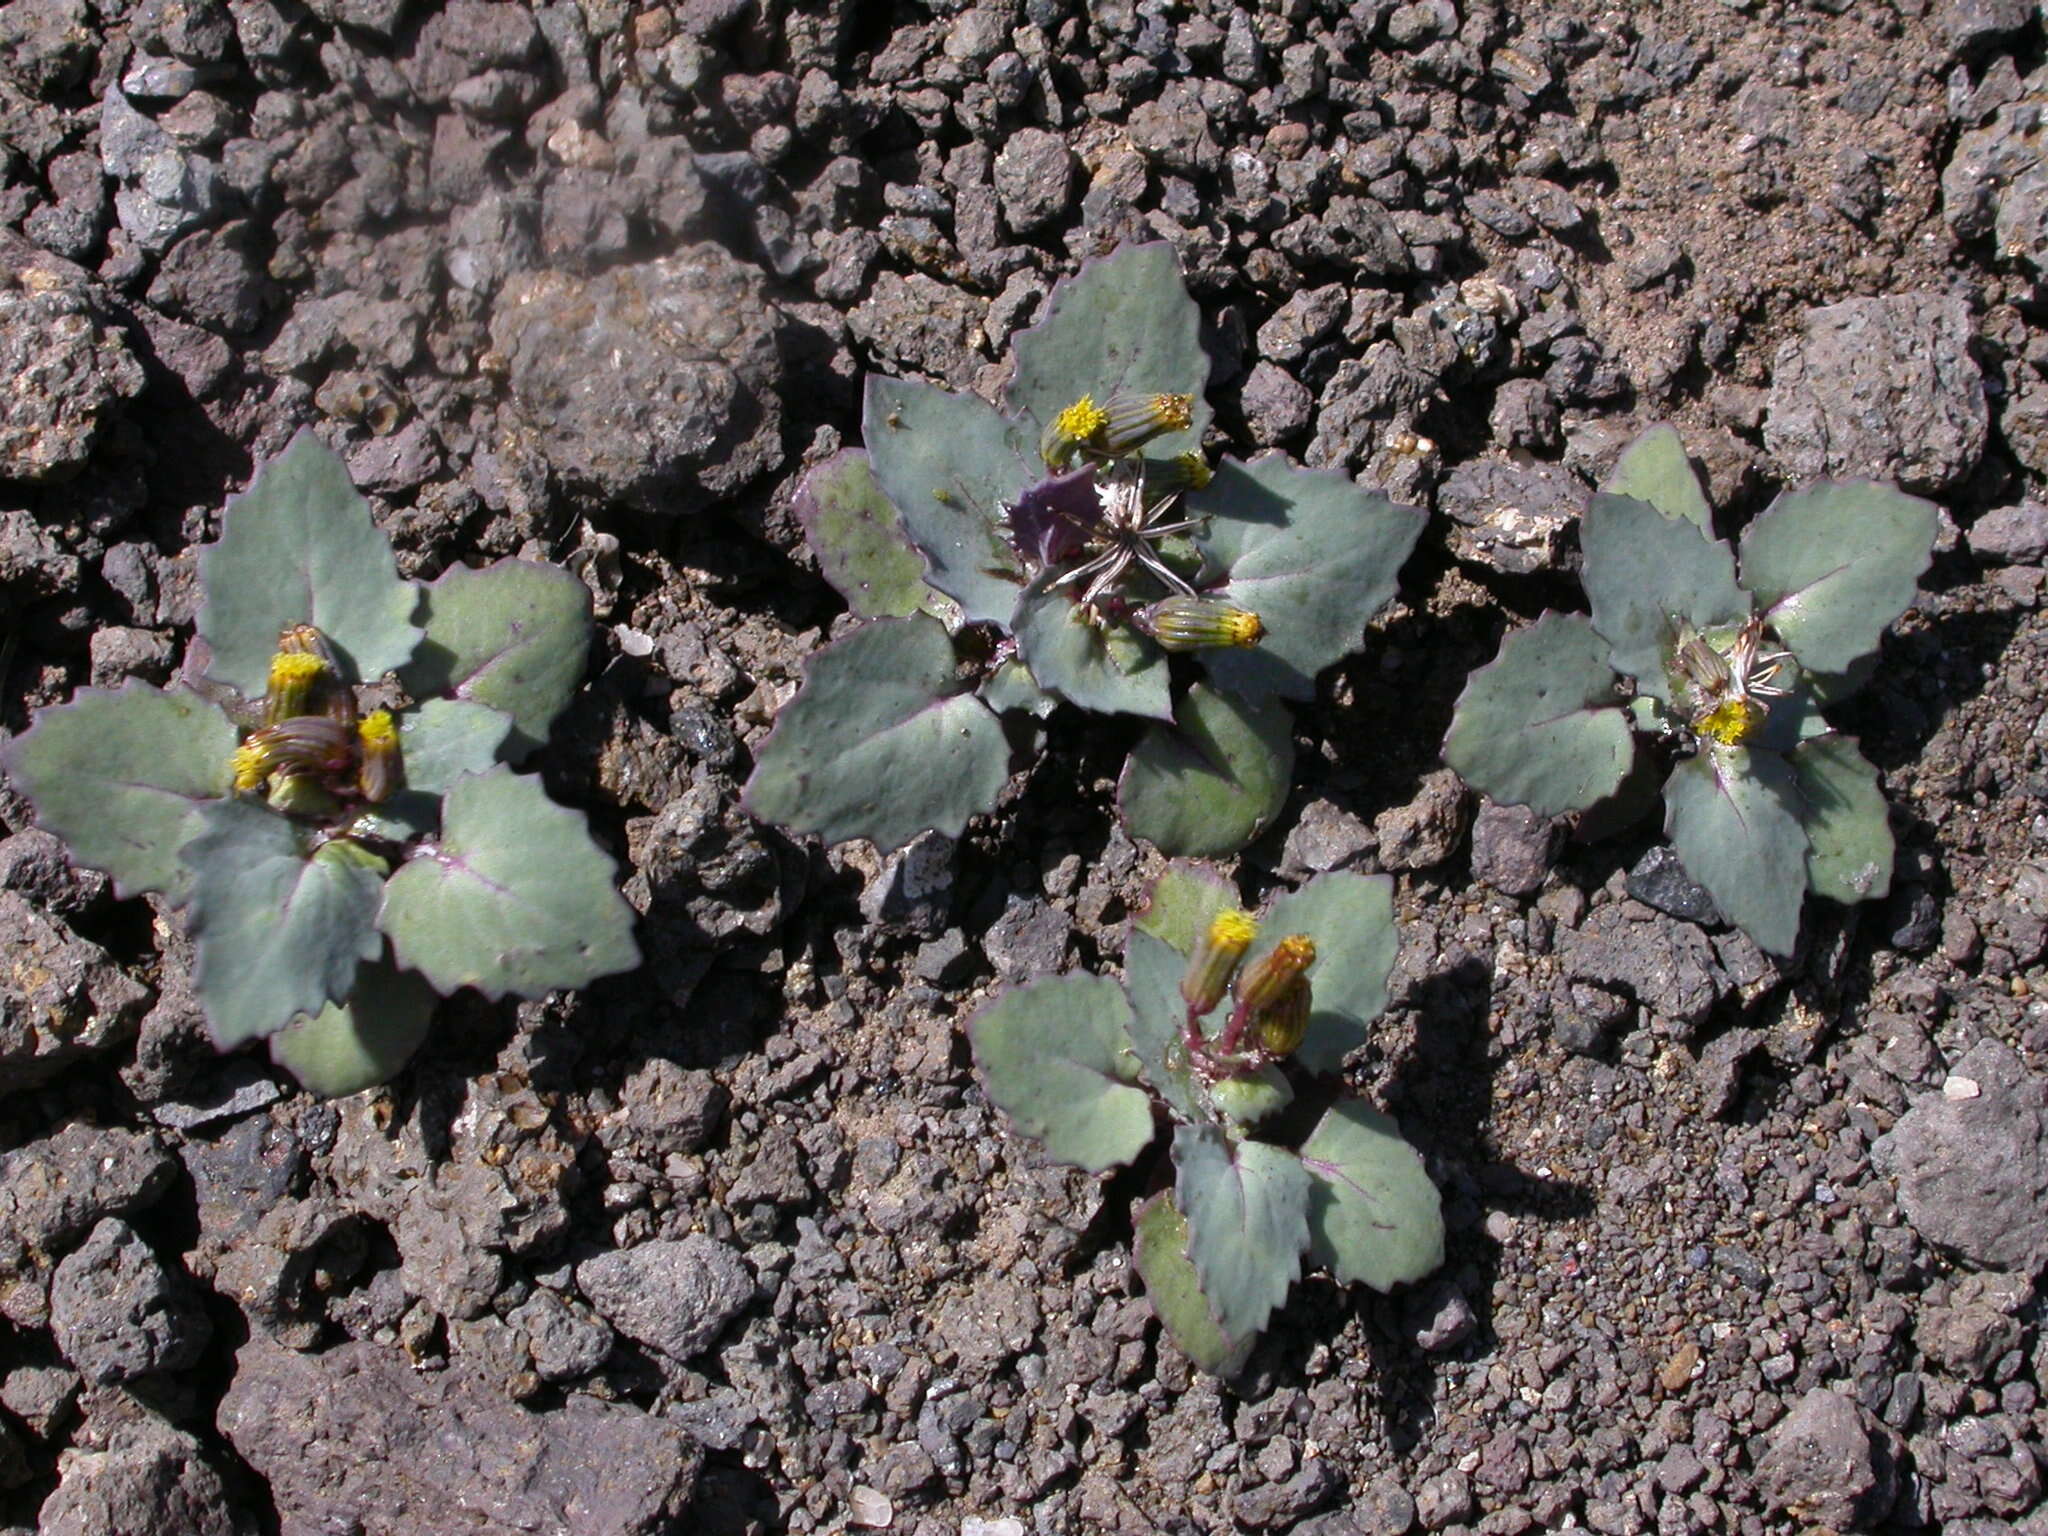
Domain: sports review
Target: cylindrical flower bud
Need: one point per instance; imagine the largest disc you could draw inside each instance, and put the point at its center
(1074, 429)
(1131, 421)
(1216, 953)
(1182, 623)
(330, 695)
(1183, 472)
(1279, 1027)
(1262, 983)
(294, 685)
(381, 773)
(302, 744)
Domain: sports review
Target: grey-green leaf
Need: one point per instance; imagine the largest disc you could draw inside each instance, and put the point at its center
(879, 742)
(1212, 781)
(1832, 564)
(1848, 827)
(348, 1047)
(1351, 919)
(298, 547)
(513, 636)
(444, 739)
(1175, 1290)
(1540, 725)
(1733, 816)
(1123, 323)
(122, 777)
(1109, 668)
(1312, 553)
(1246, 1205)
(277, 933)
(1645, 574)
(1373, 1213)
(950, 463)
(514, 898)
(1055, 1056)
(857, 535)
(1181, 903)
(1152, 974)
(1012, 687)
(1654, 468)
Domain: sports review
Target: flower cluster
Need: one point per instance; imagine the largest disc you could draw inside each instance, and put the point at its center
(1728, 692)
(1270, 1014)
(314, 752)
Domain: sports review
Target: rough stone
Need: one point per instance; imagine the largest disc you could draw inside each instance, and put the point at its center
(356, 1439)
(2011, 535)
(1659, 880)
(1510, 516)
(566, 1341)
(654, 385)
(1883, 388)
(1972, 1161)
(118, 1314)
(1827, 1464)
(1996, 181)
(1029, 939)
(1977, 1327)
(63, 364)
(674, 1296)
(47, 46)
(54, 1191)
(150, 1480)
(1034, 179)
(1666, 965)
(1512, 848)
(1426, 830)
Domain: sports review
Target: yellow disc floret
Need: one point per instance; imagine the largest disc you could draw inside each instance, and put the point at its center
(1072, 430)
(1733, 722)
(251, 765)
(378, 729)
(294, 676)
(379, 774)
(1216, 953)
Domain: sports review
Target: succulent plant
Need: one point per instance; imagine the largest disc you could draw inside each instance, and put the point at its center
(1721, 667)
(1217, 1018)
(1073, 547)
(342, 864)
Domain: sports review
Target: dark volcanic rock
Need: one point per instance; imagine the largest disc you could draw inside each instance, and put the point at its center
(1828, 1464)
(119, 1314)
(653, 385)
(1512, 848)
(673, 1296)
(65, 365)
(1668, 965)
(150, 1480)
(356, 1439)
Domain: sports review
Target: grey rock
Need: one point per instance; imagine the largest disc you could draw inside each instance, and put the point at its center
(356, 1439)
(279, 1269)
(1173, 131)
(1500, 215)
(37, 864)
(664, 1110)
(1276, 405)
(198, 31)
(1883, 388)
(1971, 26)
(41, 1396)
(1034, 179)
(1512, 848)
(1524, 416)
(1971, 1161)
(674, 1296)
(1325, 837)
(566, 1340)
(1665, 965)
(150, 1480)
(1305, 320)
(1651, 262)
(917, 323)
(1444, 1500)
(214, 278)
(118, 1314)
(2011, 535)
(1978, 1327)
(121, 651)
(655, 384)
(1720, 1068)
(1385, 1508)
(1441, 1317)
(53, 1192)
(47, 46)
(1827, 1464)
(465, 38)
(1281, 1505)
(913, 887)
(991, 1322)
(1510, 516)
(1659, 880)
(1426, 830)
(1029, 939)
(65, 363)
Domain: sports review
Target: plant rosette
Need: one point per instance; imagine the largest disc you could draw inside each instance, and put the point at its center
(1074, 546)
(1717, 661)
(341, 867)
(1219, 1015)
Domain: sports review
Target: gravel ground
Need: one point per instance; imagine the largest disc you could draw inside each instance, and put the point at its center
(735, 1245)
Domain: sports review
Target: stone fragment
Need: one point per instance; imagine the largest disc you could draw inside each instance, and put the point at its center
(1276, 405)
(672, 1295)
(1827, 1464)
(1426, 830)
(1512, 848)
(1666, 965)
(1880, 388)
(1996, 181)
(1034, 179)
(2011, 535)
(1659, 880)
(46, 46)
(664, 1110)
(1510, 516)
(654, 385)
(118, 1314)
(1324, 837)
(1978, 1326)
(1971, 1161)
(54, 1191)
(1029, 939)
(566, 1341)
(355, 1439)
(63, 365)
(150, 1480)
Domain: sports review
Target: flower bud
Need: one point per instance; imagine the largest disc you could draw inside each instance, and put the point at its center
(1183, 472)
(302, 744)
(294, 685)
(1279, 1028)
(1131, 421)
(301, 794)
(329, 695)
(1262, 983)
(1075, 428)
(381, 773)
(1182, 623)
(1216, 953)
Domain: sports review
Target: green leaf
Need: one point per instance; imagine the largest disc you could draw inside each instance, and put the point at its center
(1212, 781)
(1646, 574)
(1848, 826)
(1012, 687)
(1181, 902)
(276, 933)
(855, 532)
(1655, 469)
(1833, 564)
(1733, 816)
(1351, 919)
(1109, 668)
(298, 547)
(1161, 1254)
(513, 636)
(879, 742)
(1247, 1209)
(444, 739)
(123, 776)
(515, 897)
(1540, 725)
(1373, 1214)
(1312, 553)
(1056, 1058)
(1122, 324)
(950, 464)
(348, 1047)
(1152, 973)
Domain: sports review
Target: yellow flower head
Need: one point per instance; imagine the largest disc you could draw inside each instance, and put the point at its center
(1733, 722)
(1072, 430)
(1216, 953)
(380, 773)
